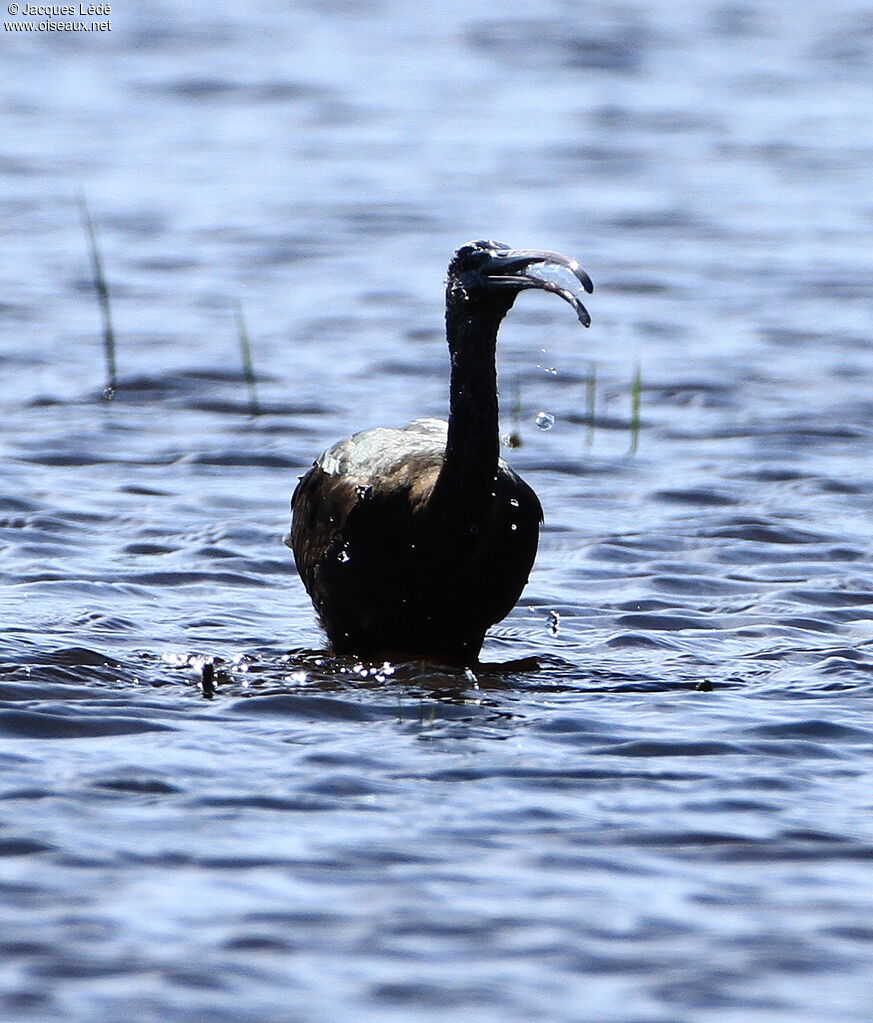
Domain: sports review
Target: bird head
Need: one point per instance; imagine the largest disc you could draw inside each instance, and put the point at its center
(485, 269)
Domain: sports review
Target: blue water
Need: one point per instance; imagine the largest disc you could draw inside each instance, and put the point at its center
(664, 815)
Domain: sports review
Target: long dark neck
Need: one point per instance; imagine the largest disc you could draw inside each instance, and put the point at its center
(467, 478)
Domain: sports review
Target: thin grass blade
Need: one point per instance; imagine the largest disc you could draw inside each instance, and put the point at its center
(102, 291)
(636, 397)
(248, 367)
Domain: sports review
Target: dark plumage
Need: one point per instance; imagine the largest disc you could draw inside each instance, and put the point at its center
(414, 541)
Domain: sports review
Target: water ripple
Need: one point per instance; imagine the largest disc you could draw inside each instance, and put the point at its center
(655, 788)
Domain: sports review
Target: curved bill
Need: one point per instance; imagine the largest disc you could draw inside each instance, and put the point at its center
(531, 268)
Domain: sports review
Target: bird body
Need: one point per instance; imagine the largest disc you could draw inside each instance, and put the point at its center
(413, 541)
(370, 534)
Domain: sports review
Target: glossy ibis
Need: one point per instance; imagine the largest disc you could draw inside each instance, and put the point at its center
(413, 541)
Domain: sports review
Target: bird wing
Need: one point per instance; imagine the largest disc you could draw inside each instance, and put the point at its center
(339, 495)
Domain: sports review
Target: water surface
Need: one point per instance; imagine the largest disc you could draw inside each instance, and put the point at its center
(663, 814)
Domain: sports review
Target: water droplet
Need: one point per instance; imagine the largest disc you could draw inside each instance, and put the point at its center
(513, 526)
(364, 493)
(343, 555)
(514, 502)
(545, 420)
(551, 371)
(471, 678)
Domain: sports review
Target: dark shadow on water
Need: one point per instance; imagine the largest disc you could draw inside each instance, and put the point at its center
(308, 681)
(310, 671)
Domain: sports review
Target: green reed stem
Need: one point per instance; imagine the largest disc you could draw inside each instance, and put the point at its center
(248, 368)
(102, 291)
(636, 395)
(591, 402)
